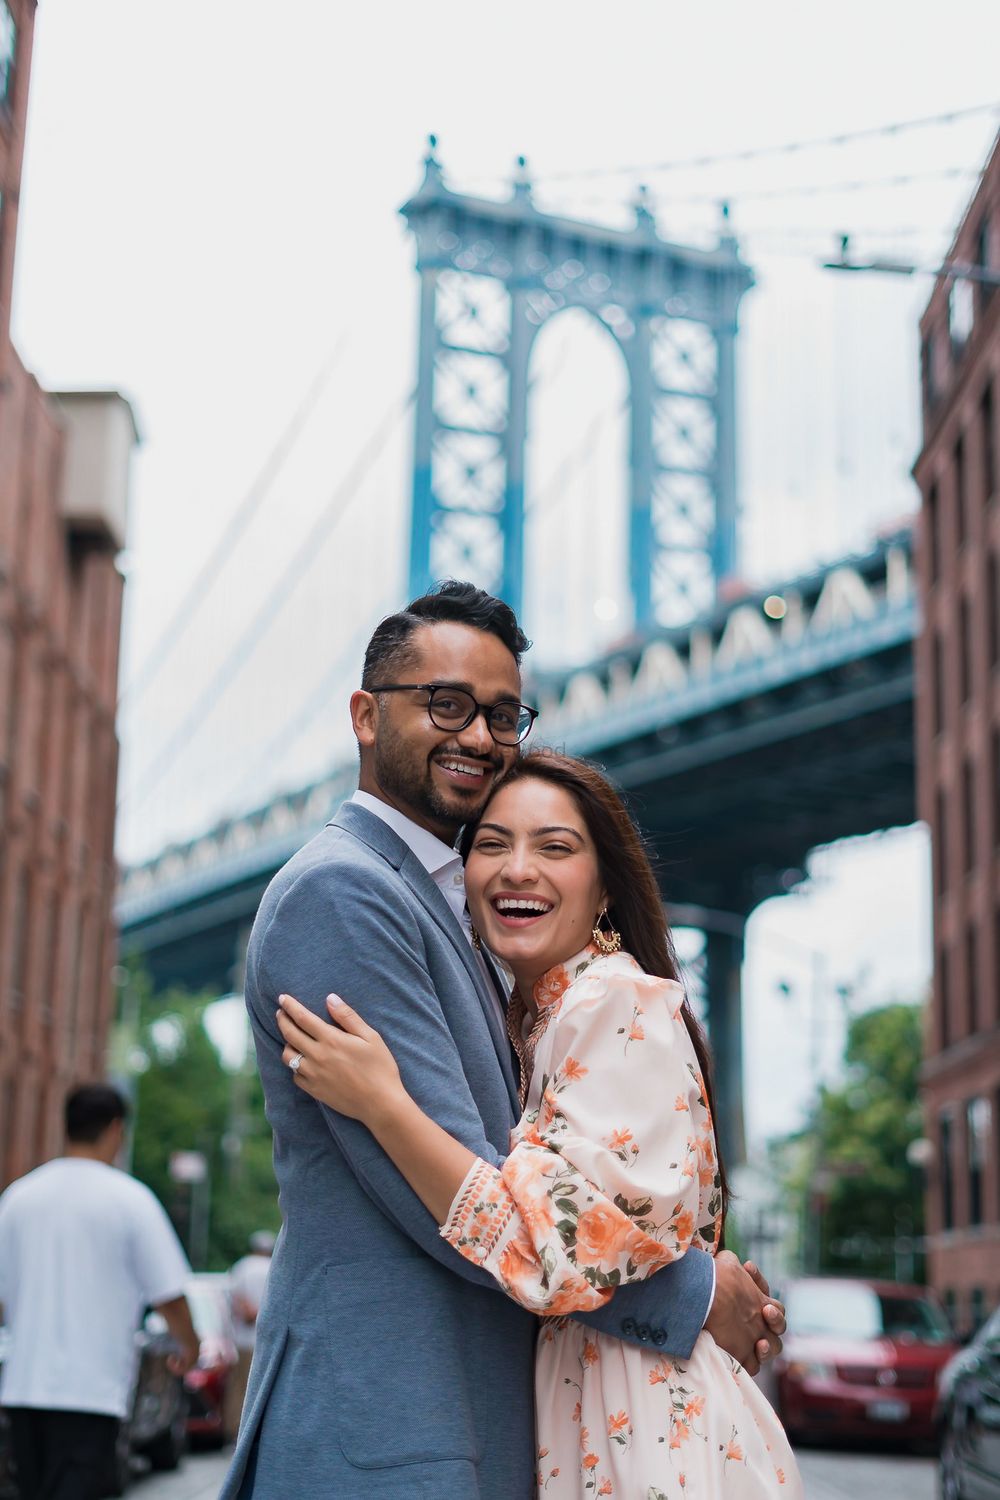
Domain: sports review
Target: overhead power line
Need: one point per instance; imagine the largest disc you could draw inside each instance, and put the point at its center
(198, 590)
(784, 148)
(262, 620)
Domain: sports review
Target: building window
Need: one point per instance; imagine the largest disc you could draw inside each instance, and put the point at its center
(977, 1131)
(945, 1139)
(938, 684)
(984, 258)
(938, 846)
(8, 50)
(961, 312)
(977, 1308)
(961, 516)
(972, 977)
(930, 532)
(969, 815)
(944, 996)
(965, 650)
(986, 420)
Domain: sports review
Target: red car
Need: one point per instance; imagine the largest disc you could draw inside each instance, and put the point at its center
(206, 1383)
(862, 1360)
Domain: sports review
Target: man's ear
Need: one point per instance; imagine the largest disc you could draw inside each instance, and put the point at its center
(364, 717)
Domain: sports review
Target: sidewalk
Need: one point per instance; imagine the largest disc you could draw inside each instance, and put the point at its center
(199, 1477)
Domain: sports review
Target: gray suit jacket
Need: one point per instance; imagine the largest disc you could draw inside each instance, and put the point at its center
(386, 1364)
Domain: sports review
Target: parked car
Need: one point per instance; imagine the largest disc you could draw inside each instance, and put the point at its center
(156, 1428)
(208, 1298)
(862, 1359)
(969, 1410)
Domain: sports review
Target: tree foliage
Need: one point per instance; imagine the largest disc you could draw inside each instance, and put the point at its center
(862, 1201)
(186, 1099)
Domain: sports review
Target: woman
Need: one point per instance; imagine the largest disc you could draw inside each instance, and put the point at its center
(613, 1169)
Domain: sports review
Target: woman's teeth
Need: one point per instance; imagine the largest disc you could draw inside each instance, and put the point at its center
(511, 908)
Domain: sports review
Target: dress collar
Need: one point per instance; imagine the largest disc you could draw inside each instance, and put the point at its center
(554, 983)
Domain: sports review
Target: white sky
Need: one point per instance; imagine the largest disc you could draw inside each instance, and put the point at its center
(209, 212)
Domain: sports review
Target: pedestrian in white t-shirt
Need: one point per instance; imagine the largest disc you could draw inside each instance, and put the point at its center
(84, 1249)
(247, 1281)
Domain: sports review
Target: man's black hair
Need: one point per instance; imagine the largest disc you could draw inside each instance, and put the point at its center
(453, 601)
(90, 1109)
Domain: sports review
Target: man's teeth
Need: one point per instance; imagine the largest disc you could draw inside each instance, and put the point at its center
(465, 770)
(536, 908)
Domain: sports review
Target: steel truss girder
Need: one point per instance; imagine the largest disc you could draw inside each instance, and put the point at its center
(492, 274)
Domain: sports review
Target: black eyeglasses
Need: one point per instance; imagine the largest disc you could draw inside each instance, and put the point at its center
(453, 708)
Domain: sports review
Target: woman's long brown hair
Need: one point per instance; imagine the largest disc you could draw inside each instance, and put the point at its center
(634, 905)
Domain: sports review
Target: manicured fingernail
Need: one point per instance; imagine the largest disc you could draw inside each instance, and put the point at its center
(333, 1000)
(283, 998)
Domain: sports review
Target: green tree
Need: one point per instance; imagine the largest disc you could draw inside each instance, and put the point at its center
(187, 1099)
(861, 1199)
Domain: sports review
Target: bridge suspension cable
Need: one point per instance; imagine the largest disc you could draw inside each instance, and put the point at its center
(278, 596)
(197, 590)
(783, 148)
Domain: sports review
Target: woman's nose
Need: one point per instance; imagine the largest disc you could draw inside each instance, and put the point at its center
(519, 866)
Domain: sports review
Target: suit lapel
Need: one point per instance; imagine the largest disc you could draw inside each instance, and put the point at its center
(380, 837)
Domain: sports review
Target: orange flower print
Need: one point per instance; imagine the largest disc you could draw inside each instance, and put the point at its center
(551, 987)
(590, 1355)
(573, 1071)
(679, 1433)
(577, 1412)
(590, 1461)
(619, 1138)
(617, 1422)
(600, 1233)
(680, 1104)
(584, 1437)
(684, 1227)
(660, 1373)
(636, 1033)
(734, 1451)
(694, 1407)
(605, 1488)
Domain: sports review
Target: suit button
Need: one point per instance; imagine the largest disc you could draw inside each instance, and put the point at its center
(643, 1333)
(628, 1327)
(659, 1337)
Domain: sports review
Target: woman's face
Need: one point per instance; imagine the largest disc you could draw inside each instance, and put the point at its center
(532, 879)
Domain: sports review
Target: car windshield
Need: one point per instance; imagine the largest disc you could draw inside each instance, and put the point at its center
(840, 1309)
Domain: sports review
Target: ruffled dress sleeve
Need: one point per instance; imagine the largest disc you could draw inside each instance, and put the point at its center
(612, 1172)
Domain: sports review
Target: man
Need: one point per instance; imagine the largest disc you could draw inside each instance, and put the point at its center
(385, 1364)
(247, 1280)
(84, 1249)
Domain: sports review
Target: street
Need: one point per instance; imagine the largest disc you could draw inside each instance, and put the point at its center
(828, 1476)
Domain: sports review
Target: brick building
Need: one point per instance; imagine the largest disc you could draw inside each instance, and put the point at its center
(63, 479)
(958, 757)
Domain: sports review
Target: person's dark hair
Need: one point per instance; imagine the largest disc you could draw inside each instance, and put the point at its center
(90, 1109)
(635, 908)
(387, 652)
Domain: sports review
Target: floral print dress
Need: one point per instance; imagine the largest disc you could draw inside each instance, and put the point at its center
(612, 1174)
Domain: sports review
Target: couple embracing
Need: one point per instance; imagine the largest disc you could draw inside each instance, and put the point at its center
(500, 1270)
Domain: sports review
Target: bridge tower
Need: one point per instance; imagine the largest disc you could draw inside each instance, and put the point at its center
(492, 273)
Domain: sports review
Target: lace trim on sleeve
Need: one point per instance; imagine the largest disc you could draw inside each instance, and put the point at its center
(481, 1212)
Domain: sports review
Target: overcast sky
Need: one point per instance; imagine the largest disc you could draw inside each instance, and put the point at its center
(209, 220)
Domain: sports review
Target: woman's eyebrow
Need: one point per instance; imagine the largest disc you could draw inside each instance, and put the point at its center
(557, 828)
(497, 828)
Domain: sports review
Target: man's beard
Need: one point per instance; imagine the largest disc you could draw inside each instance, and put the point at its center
(401, 772)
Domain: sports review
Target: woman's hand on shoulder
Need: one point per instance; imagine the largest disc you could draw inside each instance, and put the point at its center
(345, 1065)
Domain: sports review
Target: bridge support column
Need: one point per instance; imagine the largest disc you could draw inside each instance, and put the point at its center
(723, 962)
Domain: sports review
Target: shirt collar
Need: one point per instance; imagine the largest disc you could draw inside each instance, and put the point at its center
(433, 853)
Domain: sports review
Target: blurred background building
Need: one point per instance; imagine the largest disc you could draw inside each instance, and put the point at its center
(63, 485)
(958, 754)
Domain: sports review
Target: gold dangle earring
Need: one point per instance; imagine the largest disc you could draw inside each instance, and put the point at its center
(610, 941)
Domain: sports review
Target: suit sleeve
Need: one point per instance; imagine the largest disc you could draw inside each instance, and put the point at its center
(365, 946)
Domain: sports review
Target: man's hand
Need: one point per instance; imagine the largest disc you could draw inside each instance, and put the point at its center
(745, 1319)
(177, 1314)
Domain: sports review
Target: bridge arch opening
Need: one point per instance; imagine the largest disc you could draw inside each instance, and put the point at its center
(577, 599)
